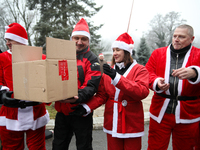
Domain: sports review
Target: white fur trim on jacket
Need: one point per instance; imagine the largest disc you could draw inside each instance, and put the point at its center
(198, 75)
(5, 88)
(155, 84)
(25, 120)
(88, 110)
(124, 135)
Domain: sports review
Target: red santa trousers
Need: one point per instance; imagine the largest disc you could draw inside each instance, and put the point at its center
(184, 136)
(14, 140)
(198, 140)
(114, 143)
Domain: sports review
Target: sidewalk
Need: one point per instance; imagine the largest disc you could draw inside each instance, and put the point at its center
(99, 112)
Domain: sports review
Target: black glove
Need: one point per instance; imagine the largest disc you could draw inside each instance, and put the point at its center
(79, 110)
(1, 93)
(109, 71)
(7, 95)
(7, 100)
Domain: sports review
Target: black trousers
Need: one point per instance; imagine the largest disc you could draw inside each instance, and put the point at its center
(66, 126)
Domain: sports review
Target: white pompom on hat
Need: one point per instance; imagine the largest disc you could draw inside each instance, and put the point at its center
(16, 33)
(125, 42)
(81, 28)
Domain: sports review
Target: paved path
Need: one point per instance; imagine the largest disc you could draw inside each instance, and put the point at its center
(100, 141)
(99, 112)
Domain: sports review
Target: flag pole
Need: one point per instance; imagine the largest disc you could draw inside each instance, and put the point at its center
(130, 16)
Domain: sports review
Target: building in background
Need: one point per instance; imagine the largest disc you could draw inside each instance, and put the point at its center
(108, 56)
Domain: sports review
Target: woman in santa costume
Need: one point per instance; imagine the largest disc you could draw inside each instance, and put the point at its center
(16, 116)
(121, 89)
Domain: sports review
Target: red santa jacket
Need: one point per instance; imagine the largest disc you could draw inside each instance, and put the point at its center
(159, 66)
(123, 115)
(17, 119)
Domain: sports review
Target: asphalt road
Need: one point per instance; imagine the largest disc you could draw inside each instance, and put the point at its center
(99, 141)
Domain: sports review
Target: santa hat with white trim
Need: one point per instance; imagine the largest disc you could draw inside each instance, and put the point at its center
(125, 42)
(101, 54)
(81, 28)
(16, 33)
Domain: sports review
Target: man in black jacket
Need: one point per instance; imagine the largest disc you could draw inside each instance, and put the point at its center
(89, 76)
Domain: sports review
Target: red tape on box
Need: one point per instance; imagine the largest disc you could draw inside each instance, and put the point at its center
(63, 69)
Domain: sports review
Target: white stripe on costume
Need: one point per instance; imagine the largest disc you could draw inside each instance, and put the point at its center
(185, 121)
(163, 109)
(180, 85)
(9, 51)
(167, 67)
(155, 84)
(116, 79)
(198, 78)
(25, 120)
(115, 112)
(124, 135)
(166, 102)
(115, 109)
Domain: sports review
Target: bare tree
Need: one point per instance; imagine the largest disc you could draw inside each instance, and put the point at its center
(2, 29)
(105, 46)
(17, 11)
(162, 28)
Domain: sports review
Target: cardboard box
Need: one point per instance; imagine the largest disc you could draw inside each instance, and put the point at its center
(47, 80)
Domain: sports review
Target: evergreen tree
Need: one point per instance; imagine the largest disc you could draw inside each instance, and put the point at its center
(143, 52)
(58, 17)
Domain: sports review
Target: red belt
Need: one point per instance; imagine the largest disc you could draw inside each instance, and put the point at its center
(122, 109)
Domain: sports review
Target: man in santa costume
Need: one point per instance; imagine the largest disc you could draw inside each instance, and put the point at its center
(175, 79)
(121, 89)
(16, 116)
(89, 75)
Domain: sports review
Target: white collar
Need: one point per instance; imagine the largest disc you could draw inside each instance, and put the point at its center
(9, 51)
(120, 65)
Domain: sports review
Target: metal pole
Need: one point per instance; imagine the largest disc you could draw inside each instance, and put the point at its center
(130, 16)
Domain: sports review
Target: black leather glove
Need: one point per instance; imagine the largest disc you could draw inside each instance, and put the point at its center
(109, 71)
(1, 94)
(7, 100)
(79, 110)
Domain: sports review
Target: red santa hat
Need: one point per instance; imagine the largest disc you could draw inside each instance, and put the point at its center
(16, 33)
(81, 28)
(101, 54)
(125, 42)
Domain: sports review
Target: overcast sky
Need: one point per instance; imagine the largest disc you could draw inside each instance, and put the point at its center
(115, 16)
